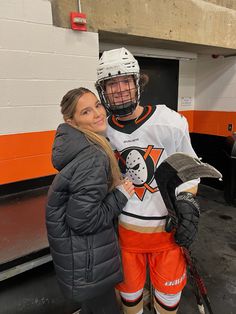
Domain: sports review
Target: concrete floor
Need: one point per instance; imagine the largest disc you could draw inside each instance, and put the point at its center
(215, 252)
(37, 292)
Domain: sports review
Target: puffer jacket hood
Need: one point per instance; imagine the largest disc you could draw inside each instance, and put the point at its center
(68, 143)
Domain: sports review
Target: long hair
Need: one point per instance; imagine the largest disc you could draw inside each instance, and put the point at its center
(68, 108)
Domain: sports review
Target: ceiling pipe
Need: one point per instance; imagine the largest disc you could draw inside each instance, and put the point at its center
(79, 6)
(215, 56)
(231, 55)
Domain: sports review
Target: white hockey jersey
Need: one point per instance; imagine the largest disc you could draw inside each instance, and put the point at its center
(141, 145)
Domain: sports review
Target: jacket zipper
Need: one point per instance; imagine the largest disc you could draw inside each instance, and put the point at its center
(89, 261)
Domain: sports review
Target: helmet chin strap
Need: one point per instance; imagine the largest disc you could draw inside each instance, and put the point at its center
(123, 110)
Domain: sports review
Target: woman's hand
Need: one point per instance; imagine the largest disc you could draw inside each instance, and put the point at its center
(128, 186)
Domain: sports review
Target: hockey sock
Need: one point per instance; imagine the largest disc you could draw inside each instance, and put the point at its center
(132, 306)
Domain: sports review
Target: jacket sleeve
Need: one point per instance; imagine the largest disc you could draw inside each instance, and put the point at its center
(90, 207)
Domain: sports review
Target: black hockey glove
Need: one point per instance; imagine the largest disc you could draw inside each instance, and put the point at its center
(188, 213)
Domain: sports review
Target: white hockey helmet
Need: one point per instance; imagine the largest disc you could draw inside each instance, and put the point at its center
(118, 63)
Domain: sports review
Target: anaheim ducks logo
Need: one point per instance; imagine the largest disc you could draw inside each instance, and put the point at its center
(139, 165)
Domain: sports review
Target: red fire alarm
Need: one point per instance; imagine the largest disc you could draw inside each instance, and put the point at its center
(78, 21)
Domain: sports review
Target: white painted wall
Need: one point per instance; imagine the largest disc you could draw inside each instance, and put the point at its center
(187, 81)
(216, 84)
(39, 63)
(210, 83)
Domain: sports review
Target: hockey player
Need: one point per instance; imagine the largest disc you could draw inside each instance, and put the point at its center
(142, 137)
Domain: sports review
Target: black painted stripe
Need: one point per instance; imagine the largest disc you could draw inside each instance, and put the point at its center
(24, 259)
(26, 185)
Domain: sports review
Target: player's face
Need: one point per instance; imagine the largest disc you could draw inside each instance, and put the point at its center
(121, 89)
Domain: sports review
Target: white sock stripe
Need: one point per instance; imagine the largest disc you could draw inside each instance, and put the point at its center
(168, 299)
(131, 296)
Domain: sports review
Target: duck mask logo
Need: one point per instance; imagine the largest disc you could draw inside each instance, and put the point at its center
(139, 165)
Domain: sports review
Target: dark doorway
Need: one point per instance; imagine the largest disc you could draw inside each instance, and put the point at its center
(162, 87)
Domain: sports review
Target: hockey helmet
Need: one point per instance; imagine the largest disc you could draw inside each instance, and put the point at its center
(118, 65)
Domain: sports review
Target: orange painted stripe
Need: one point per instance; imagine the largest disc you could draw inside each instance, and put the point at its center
(28, 155)
(189, 116)
(19, 169)
(25, 156)
(25, 144)
(210, 122)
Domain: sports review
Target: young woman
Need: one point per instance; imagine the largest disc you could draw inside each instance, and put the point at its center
(84, 200)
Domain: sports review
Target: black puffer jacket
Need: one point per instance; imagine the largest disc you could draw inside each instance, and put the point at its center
(80, 214)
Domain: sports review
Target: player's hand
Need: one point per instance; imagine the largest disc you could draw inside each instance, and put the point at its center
(188, 213)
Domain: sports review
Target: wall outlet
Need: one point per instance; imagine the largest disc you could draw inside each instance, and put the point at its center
(230, 127)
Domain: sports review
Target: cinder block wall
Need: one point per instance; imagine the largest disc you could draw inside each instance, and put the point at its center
(39, 62)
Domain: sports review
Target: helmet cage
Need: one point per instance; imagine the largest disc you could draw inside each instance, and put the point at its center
(124, 108)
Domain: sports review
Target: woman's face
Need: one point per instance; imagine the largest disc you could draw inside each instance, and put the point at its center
(90, 114)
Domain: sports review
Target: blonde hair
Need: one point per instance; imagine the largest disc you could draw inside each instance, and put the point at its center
(68, 108)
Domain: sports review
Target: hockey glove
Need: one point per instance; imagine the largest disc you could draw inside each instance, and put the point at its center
(188, 213)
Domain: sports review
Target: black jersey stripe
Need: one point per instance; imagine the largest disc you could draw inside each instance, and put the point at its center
(143, 217)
